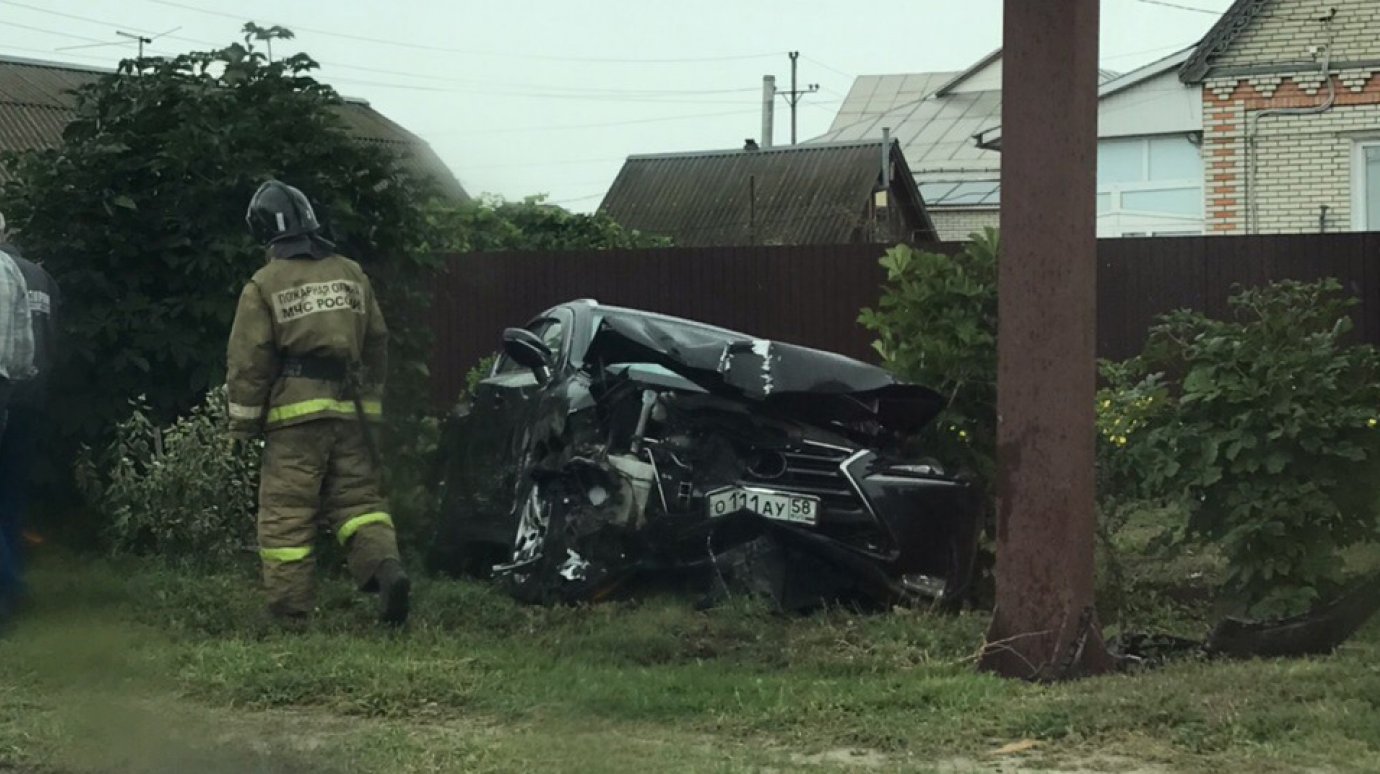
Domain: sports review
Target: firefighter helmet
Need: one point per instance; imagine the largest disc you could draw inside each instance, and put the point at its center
(279, 212)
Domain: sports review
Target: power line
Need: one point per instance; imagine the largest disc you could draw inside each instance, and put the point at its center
(1142, 52)
(835, 70)
(534, 95)
(541, 91)
(545, 88)
(543, 164)
(546, 128)
(578, 198)
(58, 33)
(473, 52)
(66, 55)
(1167, 4)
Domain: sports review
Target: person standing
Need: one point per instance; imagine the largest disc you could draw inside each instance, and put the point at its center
(16, 365)
(27, 403)
(306, 362)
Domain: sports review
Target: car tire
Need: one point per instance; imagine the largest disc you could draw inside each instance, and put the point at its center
(543, 566)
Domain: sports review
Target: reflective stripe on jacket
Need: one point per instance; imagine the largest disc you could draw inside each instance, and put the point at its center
(307, 308)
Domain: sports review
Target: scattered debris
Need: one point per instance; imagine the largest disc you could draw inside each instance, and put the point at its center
(1318, 632)
(1024, 745)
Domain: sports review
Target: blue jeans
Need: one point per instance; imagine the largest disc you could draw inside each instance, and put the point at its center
(18, 446)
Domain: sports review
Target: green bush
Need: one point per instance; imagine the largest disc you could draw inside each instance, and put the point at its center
(936, 325)
(139, 214)
(491, 223)
(1264, 427)
(182, 492)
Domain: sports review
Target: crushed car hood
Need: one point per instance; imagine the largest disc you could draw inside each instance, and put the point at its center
(825, 386)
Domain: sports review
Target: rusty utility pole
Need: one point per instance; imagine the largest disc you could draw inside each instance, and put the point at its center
(1045, 626)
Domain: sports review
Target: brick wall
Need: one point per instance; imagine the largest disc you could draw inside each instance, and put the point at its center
(1297, 164)
(956, 225)
(1286, 29)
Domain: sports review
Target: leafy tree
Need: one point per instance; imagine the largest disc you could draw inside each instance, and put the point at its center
(139, 214)
(491, 223)
(936, 324)
(1264, 427)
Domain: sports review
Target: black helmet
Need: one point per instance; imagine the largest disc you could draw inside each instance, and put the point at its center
(279, 212)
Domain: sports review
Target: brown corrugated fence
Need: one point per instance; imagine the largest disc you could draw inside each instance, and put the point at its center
(811, 294)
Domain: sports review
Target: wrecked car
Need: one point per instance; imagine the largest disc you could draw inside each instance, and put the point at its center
(608, 444)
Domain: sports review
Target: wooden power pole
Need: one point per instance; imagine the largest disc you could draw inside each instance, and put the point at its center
(1045, 626)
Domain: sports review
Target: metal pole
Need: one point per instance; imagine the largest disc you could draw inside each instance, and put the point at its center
(795, 93)
(1045, 626)
(752, 209)
(768, 108)
(886, 159)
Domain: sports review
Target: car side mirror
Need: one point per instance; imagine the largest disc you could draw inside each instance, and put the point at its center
(528, 350)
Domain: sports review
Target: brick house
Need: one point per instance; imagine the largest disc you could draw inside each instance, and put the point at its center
(1291, 116)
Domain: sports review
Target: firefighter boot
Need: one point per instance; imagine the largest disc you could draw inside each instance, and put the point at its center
(394, 589)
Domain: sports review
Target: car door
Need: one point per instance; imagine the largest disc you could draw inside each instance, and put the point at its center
(496, 429)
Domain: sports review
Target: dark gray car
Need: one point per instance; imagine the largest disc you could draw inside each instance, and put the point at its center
(610, 443)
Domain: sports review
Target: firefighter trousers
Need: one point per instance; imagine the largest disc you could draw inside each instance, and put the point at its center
(319, 473)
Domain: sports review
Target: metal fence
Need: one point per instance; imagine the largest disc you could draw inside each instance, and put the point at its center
(812, 294)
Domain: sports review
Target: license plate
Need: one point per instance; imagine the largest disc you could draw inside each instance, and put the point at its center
(797, 509)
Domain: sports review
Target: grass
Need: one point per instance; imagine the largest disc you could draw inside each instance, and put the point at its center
(127, 666)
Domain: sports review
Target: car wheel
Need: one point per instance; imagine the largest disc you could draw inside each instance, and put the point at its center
(544, 565)
(948, 592)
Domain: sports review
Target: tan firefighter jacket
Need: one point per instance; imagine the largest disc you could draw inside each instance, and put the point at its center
(321, 312)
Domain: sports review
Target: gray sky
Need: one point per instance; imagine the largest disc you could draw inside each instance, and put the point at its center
(539, 96)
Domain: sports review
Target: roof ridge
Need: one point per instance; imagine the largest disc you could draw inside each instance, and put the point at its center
(51, 64)
(797, 148)
(1229, 26)
(943, 91)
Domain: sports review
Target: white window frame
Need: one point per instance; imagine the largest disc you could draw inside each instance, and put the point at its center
(1359, 194)
(1115, 190)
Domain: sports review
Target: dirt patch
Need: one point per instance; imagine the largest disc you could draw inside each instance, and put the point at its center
(850, 758)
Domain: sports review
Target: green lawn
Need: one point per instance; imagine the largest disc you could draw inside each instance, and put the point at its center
(122, 666)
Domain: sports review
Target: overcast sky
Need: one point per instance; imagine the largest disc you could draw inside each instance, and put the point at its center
(545, 96)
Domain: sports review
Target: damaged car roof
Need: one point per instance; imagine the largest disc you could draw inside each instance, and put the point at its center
(735, 364)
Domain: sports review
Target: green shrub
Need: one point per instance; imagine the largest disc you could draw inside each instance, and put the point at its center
(182, 492)
(139, 214)
(477, 374)
(936, 325)
(1264, 427)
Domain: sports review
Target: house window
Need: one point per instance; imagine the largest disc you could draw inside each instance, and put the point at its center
(1365, 175)
(1150, 184)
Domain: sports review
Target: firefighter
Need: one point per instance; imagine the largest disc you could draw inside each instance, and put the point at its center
(306, 363)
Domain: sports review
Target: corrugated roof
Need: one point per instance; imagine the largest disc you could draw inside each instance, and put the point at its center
(872, 95)
(936, 134)
(36, 105)
(803, 194)
(935, 125)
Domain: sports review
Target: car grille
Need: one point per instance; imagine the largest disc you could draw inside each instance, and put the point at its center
(813, 469)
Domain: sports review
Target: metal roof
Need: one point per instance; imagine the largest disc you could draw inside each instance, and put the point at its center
(1232, 23)
(990, 137)
(36, 105)
(875, 95)
(802, 194)
(936, 134)
(935, 123)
